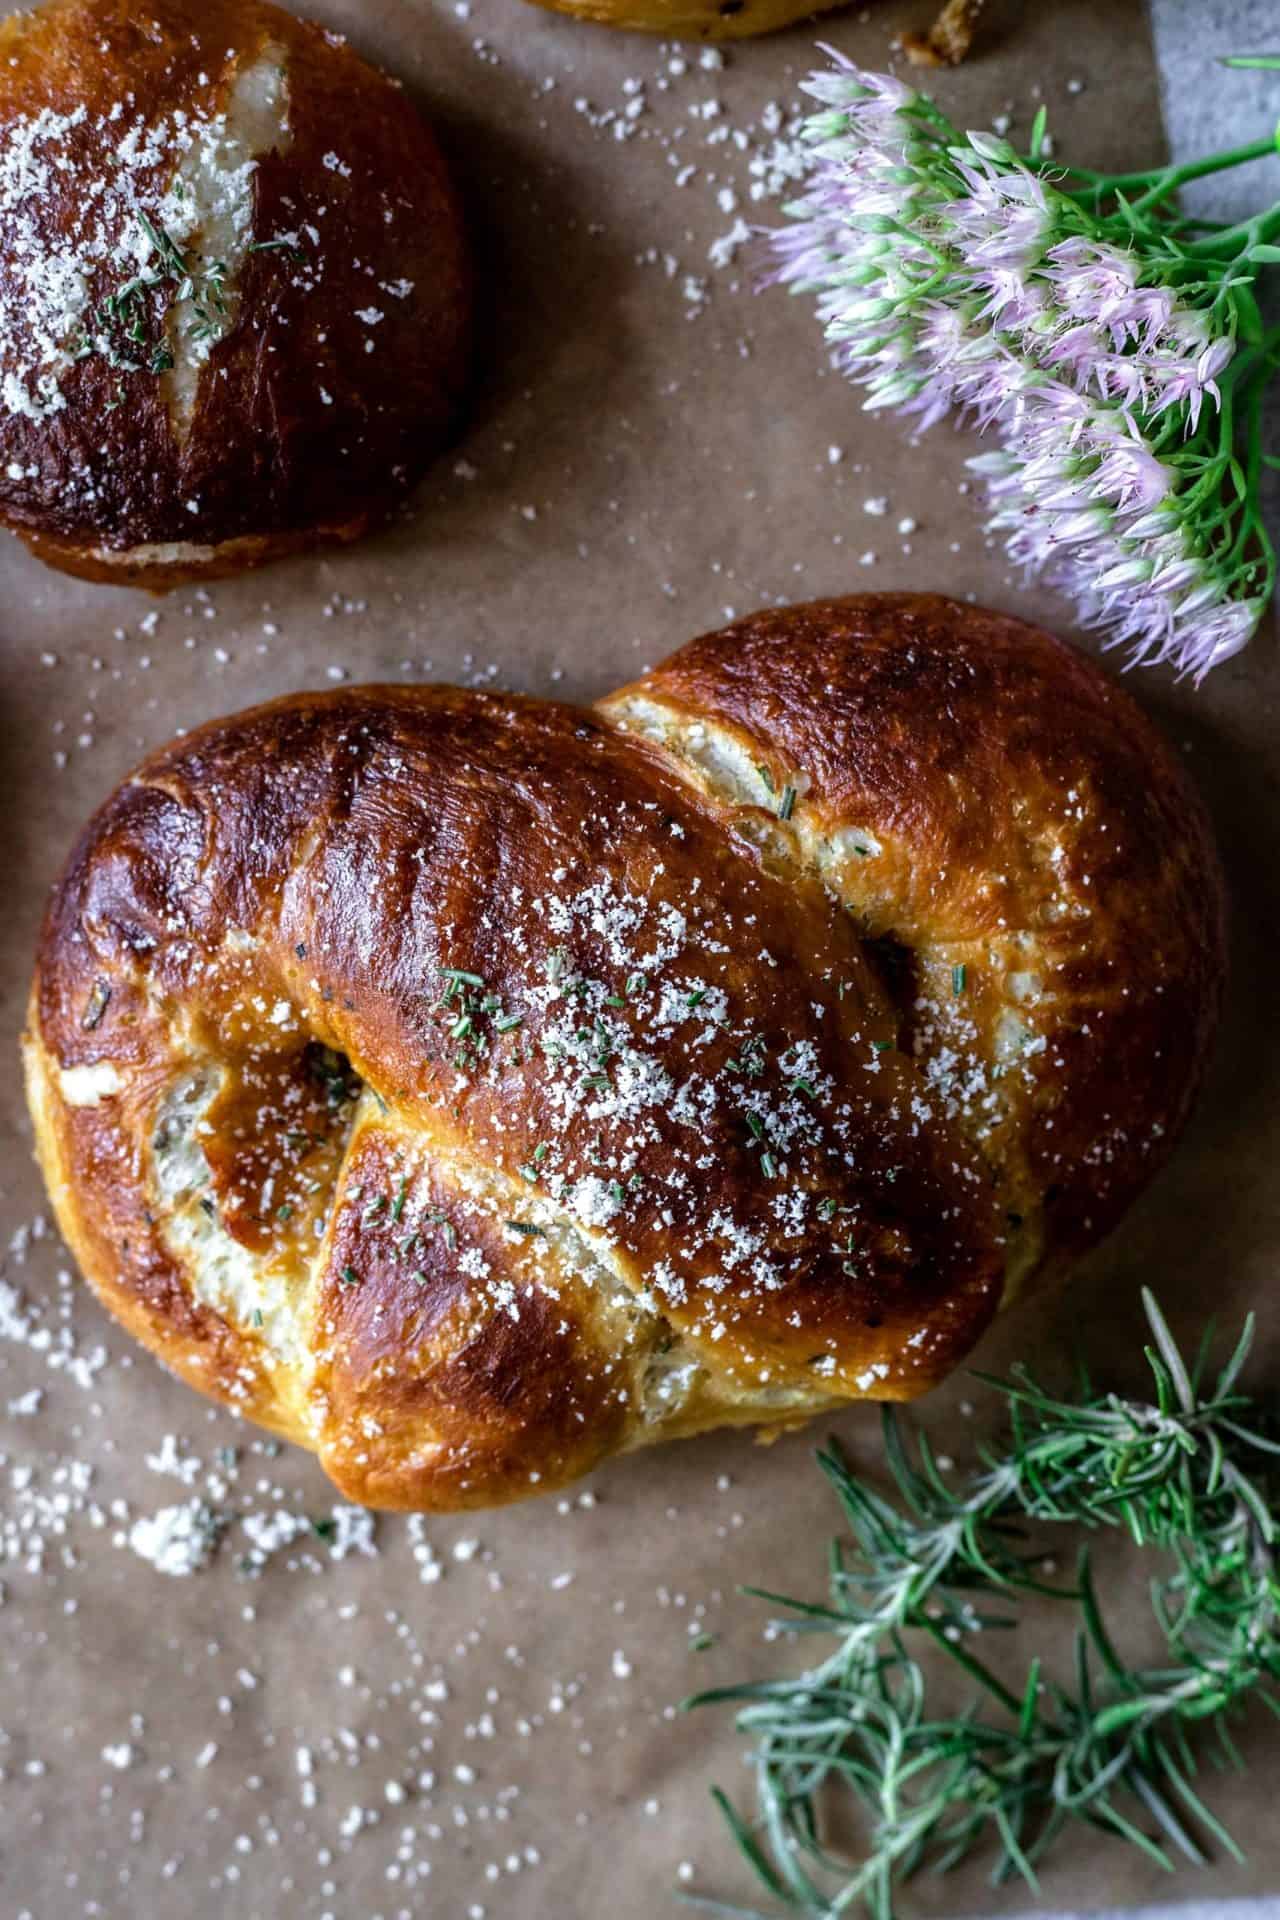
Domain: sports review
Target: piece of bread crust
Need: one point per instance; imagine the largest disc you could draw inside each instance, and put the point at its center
(235, 291)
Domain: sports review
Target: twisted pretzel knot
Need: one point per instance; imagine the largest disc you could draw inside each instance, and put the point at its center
(469, 1086)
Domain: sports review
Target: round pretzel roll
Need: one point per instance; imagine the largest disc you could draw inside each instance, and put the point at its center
(469, 1086)
(234, 288)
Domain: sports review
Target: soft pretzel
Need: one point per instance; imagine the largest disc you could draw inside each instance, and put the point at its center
(469, 1086)
(234, 288)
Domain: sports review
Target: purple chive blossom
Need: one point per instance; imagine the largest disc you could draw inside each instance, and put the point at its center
(952, 277)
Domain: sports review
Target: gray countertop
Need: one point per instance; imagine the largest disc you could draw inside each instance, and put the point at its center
(1207, 105)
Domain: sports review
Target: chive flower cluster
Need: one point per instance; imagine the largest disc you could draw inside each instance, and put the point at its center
(1112, 348)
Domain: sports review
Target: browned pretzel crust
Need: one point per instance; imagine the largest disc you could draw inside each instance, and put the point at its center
(723, 1054)
(341, 346)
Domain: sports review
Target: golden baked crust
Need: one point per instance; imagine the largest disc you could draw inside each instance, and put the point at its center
(1033, 829)
(217, 185)
(469, 1086)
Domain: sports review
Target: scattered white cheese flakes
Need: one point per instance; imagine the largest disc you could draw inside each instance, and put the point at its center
(176, 1540)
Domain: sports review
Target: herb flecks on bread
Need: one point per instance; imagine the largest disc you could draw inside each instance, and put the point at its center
(470, 1087)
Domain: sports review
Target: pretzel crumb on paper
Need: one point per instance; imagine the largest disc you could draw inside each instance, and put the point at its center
(950, 38)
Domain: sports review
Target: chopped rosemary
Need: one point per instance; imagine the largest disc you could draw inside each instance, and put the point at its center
(122, 327)
(438, 1219)
(529, 1171)
(286, 244)
(752, 1055)
(334, 1073)
(466, 995)
(164, 247)
(1189, 1475)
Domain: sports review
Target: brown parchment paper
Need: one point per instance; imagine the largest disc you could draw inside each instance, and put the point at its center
(322, 1737)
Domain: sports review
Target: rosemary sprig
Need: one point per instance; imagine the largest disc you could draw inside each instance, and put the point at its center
(1188, 1475)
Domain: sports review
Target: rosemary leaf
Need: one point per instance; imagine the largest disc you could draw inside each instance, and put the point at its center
(1189, 1476)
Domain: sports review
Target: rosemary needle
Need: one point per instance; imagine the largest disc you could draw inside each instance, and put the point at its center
(1187, 1474)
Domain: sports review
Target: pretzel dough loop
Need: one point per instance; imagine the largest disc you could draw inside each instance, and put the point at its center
(470, 1087)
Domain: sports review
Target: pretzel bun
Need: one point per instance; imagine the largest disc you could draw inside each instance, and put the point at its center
(469, 1087)
(234, 288)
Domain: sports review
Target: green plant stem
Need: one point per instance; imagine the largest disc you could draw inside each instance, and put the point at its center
(1227, 243)
(1166, 180)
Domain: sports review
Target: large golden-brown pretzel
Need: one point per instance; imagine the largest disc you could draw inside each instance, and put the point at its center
(469, 1086)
